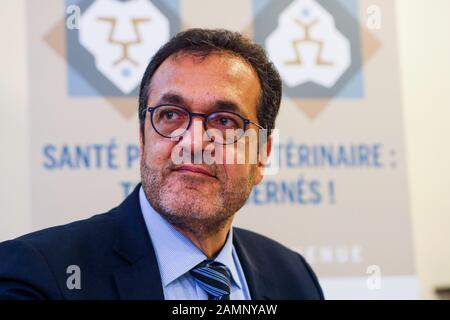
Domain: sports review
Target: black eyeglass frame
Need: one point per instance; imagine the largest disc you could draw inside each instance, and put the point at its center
(205, 117)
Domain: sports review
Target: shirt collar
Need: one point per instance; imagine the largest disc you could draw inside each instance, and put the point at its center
(175, 253)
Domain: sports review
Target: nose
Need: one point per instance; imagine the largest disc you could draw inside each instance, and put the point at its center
(194, 141)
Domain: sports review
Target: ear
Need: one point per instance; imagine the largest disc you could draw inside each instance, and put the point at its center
(141, 141)
(263, 159)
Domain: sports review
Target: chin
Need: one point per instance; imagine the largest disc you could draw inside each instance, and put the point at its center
(190, 202)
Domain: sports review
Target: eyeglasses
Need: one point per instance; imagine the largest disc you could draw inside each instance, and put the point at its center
(222, 127)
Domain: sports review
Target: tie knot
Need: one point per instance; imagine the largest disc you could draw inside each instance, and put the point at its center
(213, 277)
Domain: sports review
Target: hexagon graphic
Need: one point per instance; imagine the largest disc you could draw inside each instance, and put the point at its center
(307, 47)
(122, 36)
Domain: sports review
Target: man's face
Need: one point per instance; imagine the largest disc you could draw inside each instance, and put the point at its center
(199, 197)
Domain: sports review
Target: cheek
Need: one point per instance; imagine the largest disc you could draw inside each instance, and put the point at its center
(157, 151)
(237, 172)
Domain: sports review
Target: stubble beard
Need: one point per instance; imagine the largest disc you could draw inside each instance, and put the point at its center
(200, 213)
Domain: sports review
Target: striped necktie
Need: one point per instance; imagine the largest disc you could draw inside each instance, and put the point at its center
(214, 278)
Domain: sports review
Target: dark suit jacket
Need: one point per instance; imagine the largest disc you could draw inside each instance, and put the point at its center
(117, 261)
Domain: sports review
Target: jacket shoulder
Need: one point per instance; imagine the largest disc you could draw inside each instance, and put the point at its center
(264, 246)
(286, 267)
(35, 265)
(71, 234)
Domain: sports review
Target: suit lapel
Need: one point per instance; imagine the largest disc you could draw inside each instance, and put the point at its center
(139, 281)
(139, 278)
(261, 287)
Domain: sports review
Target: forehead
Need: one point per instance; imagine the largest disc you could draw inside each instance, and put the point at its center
(202, 80)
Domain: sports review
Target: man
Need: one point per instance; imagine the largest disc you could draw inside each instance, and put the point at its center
(172, 238)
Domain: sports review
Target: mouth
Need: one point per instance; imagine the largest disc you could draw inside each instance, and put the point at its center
(194, 171)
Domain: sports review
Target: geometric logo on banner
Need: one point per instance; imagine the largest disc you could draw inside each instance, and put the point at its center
(316, 46)
(307, 47)
(107, 56)
(121, 36)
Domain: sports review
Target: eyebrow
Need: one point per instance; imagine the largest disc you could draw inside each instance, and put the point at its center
(171, 97)
(218, 105)
(225, 105)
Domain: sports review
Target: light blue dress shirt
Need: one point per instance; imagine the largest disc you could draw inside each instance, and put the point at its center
(176, 255)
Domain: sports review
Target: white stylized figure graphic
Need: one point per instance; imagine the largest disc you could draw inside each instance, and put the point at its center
(306, 46)
(122, 37)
